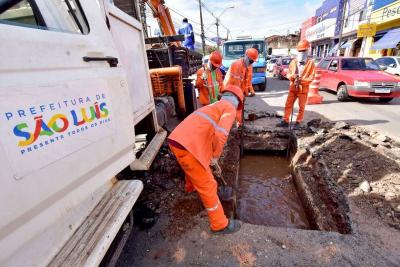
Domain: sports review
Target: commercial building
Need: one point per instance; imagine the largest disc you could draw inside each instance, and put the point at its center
(355, 13)
(386, 15)
(320, 35)
(305, 26)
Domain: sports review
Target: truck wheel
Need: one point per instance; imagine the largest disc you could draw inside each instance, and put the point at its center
(342, 94)
(385, 100)
(263, 86)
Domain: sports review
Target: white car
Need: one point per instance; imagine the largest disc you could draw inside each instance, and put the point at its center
(392, 64)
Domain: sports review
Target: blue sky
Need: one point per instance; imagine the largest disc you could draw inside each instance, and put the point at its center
(257, 18)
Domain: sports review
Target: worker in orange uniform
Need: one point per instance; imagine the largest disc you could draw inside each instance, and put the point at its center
(300, 74)
(197, 143)
(240, 73)
(209, 80)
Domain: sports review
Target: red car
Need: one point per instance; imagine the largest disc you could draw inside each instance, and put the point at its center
(281, 68)
(358, 77)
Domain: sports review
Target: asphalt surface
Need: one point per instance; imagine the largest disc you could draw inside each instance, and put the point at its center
(364, 112)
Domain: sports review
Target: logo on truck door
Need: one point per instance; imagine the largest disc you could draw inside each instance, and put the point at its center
(58, 126)
(41, 125)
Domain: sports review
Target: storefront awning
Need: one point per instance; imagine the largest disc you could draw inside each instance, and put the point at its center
(389, 40)
(349, 43)
(335, 48)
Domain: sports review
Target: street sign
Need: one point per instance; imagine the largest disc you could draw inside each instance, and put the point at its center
(366, 30)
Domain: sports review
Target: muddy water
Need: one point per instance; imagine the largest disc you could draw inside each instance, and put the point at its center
(267, 195)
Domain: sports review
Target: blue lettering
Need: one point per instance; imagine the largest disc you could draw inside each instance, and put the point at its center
(9, 115)
(32, 110)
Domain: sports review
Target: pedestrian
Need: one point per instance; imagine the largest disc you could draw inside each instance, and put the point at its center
(187, 29)
(300, 74)
(209, 80)
(197, 142)
(240, 73)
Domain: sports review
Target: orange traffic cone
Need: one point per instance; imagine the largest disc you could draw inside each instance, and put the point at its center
(313, 96)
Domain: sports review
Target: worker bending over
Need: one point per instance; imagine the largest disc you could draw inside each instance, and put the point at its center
(240, 73)
(300, 74)
(198, 143)
(209, 80)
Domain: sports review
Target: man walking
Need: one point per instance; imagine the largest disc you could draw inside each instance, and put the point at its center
(198, 143)
(300, 74)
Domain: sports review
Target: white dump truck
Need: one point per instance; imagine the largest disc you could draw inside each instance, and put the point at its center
(74, 92)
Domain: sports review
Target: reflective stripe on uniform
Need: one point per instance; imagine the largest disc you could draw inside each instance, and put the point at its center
(239, 77)
(213, 208)
(216, 127)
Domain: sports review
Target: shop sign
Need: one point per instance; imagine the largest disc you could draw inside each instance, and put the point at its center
(322, 30)
(387, 13)
(366, 30)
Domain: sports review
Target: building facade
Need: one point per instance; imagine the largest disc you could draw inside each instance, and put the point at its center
(386, 15)
(355, 13)
(305, 26)
(284, 45)
(322, 34)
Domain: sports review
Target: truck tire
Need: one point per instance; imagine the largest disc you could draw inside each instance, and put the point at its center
(342, 94)
(385, 100)
(263, 86)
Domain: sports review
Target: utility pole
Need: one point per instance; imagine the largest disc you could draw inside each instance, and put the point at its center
(217, 24)
(342, 19)
(203, 40)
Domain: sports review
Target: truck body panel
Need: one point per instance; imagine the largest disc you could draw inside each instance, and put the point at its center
(67, 126)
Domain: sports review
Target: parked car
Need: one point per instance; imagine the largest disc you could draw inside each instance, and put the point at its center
(271, 63)
(358, 77)
(281, 68)
(392, 64)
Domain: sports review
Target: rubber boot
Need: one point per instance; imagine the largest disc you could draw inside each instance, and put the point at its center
(297, 126)
(233, 227)
(282, 124)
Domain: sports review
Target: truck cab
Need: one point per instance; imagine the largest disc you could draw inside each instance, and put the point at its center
(75, 92)
(233, 50)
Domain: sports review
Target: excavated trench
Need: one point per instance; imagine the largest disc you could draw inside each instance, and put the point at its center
(272, 189)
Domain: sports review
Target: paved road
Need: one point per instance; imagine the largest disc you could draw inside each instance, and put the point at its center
(366, 112)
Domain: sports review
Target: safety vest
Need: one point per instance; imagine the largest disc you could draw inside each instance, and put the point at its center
(240, 76)
(209, 83)
(307, 76)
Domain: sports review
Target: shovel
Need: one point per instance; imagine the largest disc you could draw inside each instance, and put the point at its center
(225, 192)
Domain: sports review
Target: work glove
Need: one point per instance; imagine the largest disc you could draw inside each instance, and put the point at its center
(214, 162)
(252, 94)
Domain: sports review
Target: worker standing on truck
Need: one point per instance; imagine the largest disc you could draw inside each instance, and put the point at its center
(198, 143)
(300, 74)
(240, 73)
(209, 80)
(187, 29)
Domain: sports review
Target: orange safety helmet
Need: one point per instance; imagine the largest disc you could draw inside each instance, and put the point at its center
(303, 45)
(252, 53)
(237, 92)
(216, 59)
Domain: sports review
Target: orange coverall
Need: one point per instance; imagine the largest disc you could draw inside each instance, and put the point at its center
(195, 142)
(306, 78)
(240, 76)
(206, 86)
